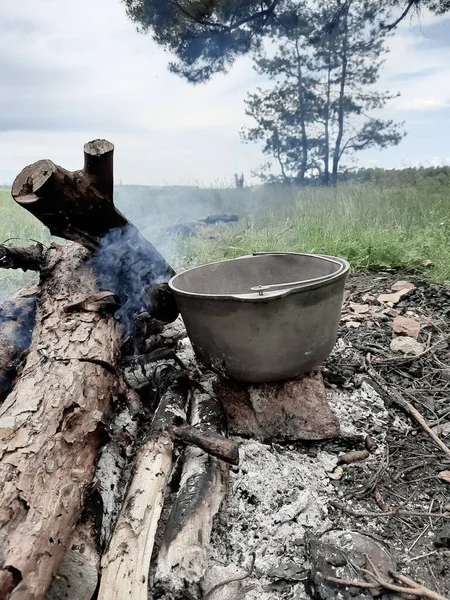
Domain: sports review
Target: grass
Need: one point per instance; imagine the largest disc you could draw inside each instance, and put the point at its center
(371, 226)
(401, 221)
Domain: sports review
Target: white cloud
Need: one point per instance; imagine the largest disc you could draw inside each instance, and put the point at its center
(75, 70)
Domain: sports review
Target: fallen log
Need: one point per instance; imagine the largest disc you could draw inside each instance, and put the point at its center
(125, 566)
(182, 557)
(79, 206)
(191, 228)
(51, 426)
(16, 326)
(30, 258)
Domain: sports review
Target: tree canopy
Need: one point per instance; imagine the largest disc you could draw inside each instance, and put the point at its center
(206, 36)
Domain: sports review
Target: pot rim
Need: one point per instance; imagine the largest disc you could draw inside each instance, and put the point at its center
(306, 285)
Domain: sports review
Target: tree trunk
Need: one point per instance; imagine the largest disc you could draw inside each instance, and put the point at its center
(79, 206)
(326, 155)
(52, 426)
(301, 106)
(341, 101)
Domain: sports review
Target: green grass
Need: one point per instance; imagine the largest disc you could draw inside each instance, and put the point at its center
(396, 219)
(370, 225)
(20, 228)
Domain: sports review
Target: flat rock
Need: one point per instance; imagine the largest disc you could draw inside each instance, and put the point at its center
(406, 326)
(359, 309)
(291, 410)
(407, 345)
(403, 285)
(392, 298)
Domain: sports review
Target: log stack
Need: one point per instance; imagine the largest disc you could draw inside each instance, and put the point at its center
(114, 448)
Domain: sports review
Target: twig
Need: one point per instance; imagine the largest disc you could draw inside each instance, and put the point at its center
(399, 360)
(210, 592)
(408, 407)
(389, 513)
(412, 587)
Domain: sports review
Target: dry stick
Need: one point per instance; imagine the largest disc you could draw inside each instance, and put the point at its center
(389, 513)
(209, 441)
(397, 360)
(126, 564)
(413, 589)
(408, 407)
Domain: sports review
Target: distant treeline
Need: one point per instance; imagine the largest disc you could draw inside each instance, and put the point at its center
(399, 177)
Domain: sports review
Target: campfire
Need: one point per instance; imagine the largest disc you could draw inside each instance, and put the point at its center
(130, 469)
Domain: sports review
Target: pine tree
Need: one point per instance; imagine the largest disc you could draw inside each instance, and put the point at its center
(317, 111)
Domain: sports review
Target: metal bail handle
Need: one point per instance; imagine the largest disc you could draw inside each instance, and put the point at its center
(274, 286)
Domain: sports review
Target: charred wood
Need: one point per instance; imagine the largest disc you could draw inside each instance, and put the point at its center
(30, 258)
(16, 326)
(126, 563)
(182, 557)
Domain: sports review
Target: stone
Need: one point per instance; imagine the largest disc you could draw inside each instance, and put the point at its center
(403, 285)
(359, 308)
(407, 345)
(406, 326)
(331, 555)
(442, 538)
(290, 410)
(392, 298)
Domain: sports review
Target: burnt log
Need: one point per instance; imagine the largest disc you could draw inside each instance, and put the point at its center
(191, 228)
(182, 557)
(52, 426)
(30, 258)
(126, 563)
(79, 206)
(16, 326)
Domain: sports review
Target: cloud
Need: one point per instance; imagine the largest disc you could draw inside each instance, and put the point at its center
(74, 71)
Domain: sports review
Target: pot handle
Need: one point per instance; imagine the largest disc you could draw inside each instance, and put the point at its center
(275, 286)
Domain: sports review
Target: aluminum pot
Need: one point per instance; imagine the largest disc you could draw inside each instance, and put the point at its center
(265, 317)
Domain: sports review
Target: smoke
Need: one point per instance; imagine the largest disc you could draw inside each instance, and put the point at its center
(126, 264)
(16, 327)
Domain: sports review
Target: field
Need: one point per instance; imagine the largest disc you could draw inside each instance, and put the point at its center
(381, 219)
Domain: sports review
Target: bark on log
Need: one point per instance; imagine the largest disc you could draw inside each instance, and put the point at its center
(51, 427)
(182, 558)
(126, 564)
(79, 206)
(16, 326)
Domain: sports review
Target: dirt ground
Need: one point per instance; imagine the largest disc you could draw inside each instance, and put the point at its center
(294, 516)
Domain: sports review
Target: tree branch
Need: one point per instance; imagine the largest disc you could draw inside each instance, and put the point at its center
(393, 25)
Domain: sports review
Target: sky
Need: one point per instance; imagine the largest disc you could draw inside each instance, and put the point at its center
(75, 70)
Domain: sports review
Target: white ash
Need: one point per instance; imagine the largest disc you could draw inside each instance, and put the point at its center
(280, 492)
